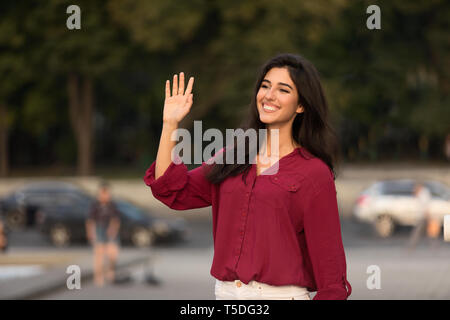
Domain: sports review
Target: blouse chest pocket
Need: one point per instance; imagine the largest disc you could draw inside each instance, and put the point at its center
(284, 189)
(287, 183)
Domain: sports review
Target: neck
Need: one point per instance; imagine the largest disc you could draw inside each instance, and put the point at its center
(286, 144)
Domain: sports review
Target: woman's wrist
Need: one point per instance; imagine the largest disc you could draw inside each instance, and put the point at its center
(170, 125)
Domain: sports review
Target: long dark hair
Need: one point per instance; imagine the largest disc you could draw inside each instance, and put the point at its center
(311, 129)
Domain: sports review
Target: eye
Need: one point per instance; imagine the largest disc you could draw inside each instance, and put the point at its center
(284, 90)
(263, 86)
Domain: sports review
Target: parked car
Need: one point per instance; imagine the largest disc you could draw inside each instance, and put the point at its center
(60, 210)
(390, 203)
(21, 208)
(64, 224)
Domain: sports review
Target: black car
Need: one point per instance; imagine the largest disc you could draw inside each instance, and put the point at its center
(60, 210)
(22, 207)
(65, 224)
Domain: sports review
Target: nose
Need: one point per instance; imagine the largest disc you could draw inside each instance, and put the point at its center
(269, 94)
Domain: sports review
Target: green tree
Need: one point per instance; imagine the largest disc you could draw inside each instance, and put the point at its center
(14, 72)
(82, 57)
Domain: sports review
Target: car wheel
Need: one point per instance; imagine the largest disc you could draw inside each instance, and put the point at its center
(15, 219)
(60, 235)
(384, 226)
(142, 237)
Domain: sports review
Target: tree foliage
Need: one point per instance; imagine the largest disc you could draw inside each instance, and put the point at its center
(388, 89)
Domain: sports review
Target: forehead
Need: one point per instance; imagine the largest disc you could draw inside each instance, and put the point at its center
(278, 75)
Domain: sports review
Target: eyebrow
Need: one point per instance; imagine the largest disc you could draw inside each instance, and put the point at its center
(280, 83)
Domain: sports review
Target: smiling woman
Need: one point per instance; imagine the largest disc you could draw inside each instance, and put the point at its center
(276, 235)
(287, 96)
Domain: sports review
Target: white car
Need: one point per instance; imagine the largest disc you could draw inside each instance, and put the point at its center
(388, 203)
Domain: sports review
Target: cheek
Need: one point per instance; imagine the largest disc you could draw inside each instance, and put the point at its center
(259, 95)
(289, 102)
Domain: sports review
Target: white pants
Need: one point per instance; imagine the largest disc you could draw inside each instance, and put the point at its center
(237, 290)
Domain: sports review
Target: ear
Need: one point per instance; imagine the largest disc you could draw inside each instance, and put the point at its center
(300, 109)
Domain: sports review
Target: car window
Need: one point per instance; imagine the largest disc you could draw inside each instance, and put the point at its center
(375, 188)
(72, 199)
(39, 198)
(130, 210)
(438, 190)
(398, 188)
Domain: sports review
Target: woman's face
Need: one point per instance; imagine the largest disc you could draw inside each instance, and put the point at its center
(277, 98)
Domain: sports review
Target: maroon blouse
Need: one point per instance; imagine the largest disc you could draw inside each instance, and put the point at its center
(279, 229)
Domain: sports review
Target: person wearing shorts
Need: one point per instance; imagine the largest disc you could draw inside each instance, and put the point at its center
(102, 229)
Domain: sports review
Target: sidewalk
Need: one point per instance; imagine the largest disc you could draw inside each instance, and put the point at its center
(50, 272)
(183, 274)
(419, 274)
(410, 275)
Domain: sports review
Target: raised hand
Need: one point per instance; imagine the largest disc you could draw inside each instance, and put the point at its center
(177, 104)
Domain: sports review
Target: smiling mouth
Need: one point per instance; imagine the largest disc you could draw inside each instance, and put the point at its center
(269, 108)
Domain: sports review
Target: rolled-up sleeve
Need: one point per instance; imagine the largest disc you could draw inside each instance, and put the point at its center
(324, 241)
(179, 188)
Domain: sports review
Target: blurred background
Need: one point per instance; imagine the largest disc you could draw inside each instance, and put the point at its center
(81, 106)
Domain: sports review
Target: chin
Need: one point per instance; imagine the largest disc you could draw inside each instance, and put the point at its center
(265, 120)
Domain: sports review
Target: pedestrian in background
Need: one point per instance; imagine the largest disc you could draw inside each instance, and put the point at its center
(3, 236)
(102, 230)
(423, 197)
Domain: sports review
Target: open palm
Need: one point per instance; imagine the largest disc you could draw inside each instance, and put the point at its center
(177, 104)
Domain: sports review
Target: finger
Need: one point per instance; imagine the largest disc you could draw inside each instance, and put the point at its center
(189, 102)
(175, 85)
(189, 86)
(181, 88)
(167, 89)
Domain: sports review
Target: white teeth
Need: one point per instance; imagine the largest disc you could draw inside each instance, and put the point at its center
(269, 108)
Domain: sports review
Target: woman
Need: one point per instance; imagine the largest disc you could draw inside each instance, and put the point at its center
(276, 232)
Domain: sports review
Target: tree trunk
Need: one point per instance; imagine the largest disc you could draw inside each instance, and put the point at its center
(81, 104)
(4, 156)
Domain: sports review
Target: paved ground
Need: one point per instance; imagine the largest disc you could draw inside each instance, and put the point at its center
(422, 274)
(183, 274)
